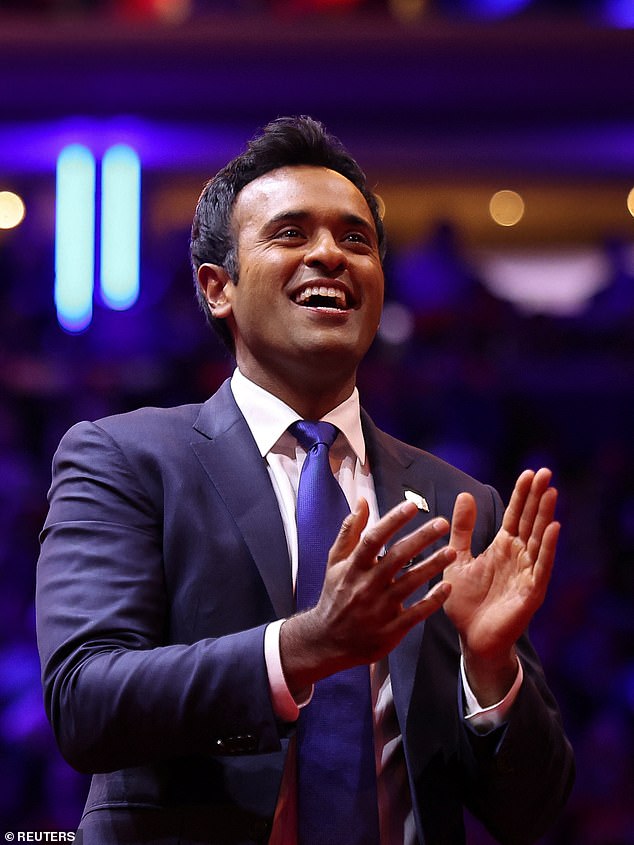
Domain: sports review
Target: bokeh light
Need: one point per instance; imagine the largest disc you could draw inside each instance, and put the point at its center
(506, 208)
(75, 237)
(408, 10)
(12, 210)
(397, 323)
(619, 13)
(120, 226)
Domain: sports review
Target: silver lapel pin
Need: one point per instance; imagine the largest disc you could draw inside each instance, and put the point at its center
(419, 501)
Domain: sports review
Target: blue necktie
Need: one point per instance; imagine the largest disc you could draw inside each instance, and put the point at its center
(336, 772)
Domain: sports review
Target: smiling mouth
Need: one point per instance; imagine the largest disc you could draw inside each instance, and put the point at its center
(322, 296)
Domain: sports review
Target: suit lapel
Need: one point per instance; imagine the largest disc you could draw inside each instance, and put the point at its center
(393, 469)
(396, 476)
(238, 472)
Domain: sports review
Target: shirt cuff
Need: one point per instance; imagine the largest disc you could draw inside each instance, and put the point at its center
(285, 706)
(485, 719)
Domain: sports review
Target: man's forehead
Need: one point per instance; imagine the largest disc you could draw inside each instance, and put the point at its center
(293, 186)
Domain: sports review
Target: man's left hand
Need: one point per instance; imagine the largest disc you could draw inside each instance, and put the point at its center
(495, 595)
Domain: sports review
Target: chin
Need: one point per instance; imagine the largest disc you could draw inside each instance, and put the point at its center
(336, 357)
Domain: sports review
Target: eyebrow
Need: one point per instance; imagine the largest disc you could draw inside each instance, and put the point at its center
(299, 214)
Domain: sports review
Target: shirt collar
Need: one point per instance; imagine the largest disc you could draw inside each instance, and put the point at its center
(268, 417)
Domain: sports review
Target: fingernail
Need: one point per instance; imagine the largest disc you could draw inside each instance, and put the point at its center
(408, 506)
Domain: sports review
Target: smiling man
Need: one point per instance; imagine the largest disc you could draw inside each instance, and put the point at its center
(310, 291)
(234, 658)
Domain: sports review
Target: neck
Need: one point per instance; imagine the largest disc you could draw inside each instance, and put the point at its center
(312, 398)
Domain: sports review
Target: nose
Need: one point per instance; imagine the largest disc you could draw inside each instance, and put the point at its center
(324, 252)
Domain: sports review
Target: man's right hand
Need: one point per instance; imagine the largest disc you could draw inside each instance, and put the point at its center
(361, 614)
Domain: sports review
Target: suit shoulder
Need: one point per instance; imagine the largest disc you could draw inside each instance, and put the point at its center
(142, 429)
(423, 468)
(149, 422)
(426, 462)
(450, 473)
(150, 419)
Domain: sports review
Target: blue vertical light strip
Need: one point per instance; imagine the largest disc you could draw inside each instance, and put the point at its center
(75, 237)
(120, 226)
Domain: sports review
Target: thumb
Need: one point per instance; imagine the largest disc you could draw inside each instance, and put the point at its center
(463, 523)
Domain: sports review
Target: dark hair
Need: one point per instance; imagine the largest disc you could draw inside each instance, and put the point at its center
(284, 142)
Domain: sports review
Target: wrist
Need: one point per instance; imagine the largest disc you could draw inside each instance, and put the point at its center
(305, 652)
(490, 675)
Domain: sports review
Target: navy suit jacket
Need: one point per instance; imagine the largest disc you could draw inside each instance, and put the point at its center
(163, 560)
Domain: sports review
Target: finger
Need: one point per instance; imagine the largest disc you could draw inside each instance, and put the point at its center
(462, 523)
(419, 611)
(409, 547)
(375, 538)
(515, 507)
(543, 519)
(349, 533)
(539, 486)
(546, 558)
(424, 571)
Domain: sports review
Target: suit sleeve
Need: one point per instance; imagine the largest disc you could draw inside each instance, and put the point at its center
(520, 774)
(118, 691)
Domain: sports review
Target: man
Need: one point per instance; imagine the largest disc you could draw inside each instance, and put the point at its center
(175, 664)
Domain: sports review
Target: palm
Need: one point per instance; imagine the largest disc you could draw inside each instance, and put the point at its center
(495, 594)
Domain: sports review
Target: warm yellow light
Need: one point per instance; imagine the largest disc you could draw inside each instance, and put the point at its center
(12, 210)
(408, 10)
(630, 202)
(506, 208)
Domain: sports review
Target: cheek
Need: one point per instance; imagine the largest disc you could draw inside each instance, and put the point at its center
(377, 296)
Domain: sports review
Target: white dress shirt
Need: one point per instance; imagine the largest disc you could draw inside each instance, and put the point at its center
(268, 419)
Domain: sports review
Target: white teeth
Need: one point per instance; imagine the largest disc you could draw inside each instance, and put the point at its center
(321, 290)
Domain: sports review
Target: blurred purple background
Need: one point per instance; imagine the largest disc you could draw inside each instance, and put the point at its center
(501, 346)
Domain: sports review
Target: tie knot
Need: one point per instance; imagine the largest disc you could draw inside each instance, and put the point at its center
(309, 433)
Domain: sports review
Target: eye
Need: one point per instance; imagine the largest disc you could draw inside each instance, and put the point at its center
(289, 233)
(356, 237)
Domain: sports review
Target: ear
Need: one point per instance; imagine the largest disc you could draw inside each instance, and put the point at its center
(213, 281)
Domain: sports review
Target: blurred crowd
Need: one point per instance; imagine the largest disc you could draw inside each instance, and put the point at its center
(472, 380)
